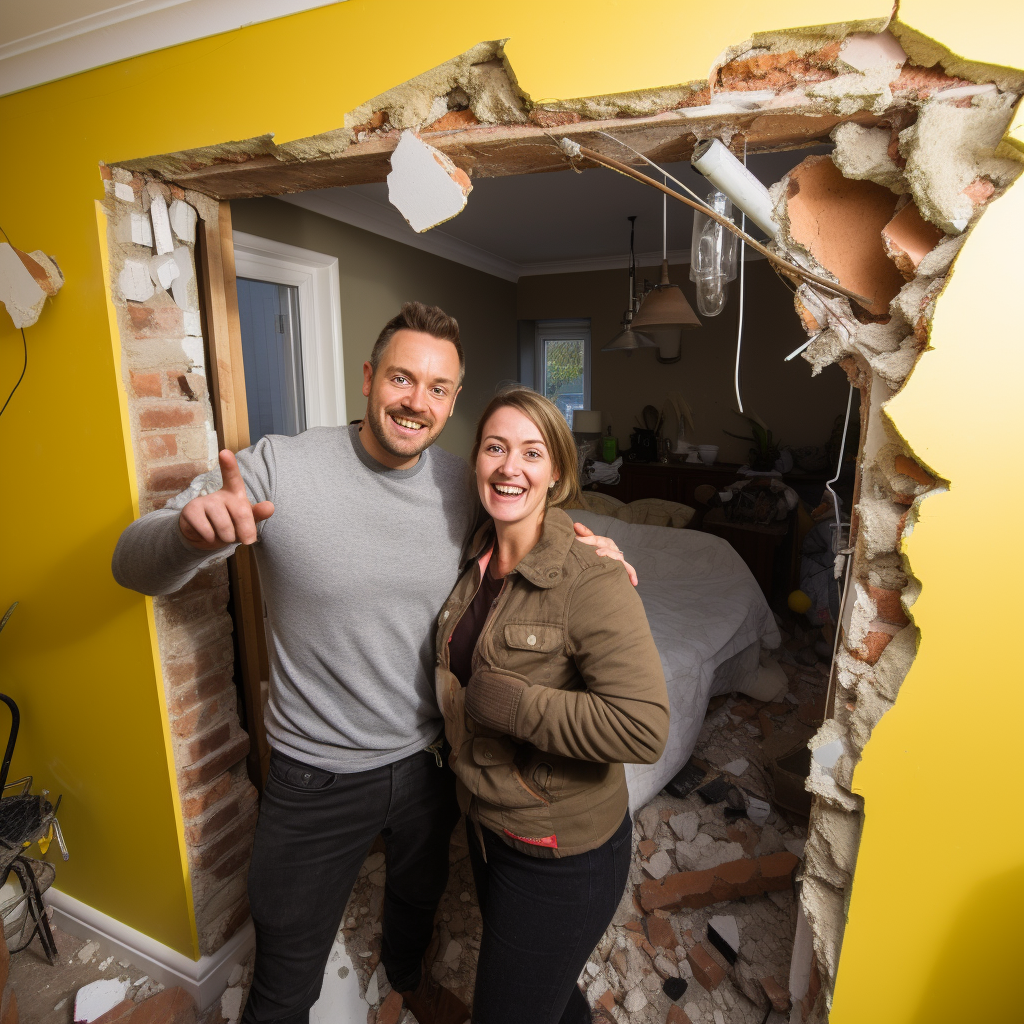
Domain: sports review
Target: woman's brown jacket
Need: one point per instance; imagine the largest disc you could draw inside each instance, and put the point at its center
(566, 685)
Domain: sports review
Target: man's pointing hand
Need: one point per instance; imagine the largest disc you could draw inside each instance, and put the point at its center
(225, 517)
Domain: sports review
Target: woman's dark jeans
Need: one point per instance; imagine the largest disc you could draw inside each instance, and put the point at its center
(542, 920)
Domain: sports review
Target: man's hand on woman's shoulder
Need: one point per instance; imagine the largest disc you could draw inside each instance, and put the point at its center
(605, 547)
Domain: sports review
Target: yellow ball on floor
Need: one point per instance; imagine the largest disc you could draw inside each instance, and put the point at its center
(799, 602)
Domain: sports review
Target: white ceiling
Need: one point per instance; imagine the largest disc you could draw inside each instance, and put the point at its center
(544, 223)
(43, 41)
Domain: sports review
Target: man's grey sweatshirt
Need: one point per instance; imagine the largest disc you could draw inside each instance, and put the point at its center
(355, 564)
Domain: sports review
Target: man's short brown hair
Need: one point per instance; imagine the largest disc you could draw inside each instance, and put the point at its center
(417, 316)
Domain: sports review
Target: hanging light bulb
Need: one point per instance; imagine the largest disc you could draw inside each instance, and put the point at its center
(664, 311)
(712, 256)
(627, 339)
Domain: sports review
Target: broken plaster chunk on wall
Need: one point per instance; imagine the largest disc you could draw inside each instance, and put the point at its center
(895, 367)
(163, 270)
(26, 280)
(162, 238)
(948, 148)
(135, 282)
(192, 323)
(863, 153)
(408, 105)
(195, 353)
(135, 228)
(848, 94)
(424, 185)
(940, 259)
(183, 221)
(863, 51)
(492, 95)
(124, 192)
(183, 287)
(825, 908)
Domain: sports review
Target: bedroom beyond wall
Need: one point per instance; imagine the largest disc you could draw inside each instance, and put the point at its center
(797, 407)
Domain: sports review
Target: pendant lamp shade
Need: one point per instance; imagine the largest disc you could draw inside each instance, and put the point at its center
(627, 339)
(665, 306)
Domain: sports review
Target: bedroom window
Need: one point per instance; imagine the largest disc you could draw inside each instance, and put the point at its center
(563, 364)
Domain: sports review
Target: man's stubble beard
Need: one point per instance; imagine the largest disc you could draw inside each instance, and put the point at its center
(376, 416)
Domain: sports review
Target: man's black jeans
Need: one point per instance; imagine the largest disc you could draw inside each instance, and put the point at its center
(314, 831)
(542, 920)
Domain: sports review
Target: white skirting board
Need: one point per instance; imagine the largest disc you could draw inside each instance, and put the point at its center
(203, 979)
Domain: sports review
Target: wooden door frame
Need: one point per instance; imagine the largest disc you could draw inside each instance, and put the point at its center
(215, 264)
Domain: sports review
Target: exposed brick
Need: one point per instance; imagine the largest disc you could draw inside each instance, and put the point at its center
(174, 477)
(194, 803)
(607, 1000)
(730, 881)
(177, 192)
(220, 815)
(677, 1015)
(660, 933)
(117, 1013)
(190, 608)
(188, 695)
(105, 172)
(888, 605)
(777, 995)
(213, 853)
(453, 120)
(160, 446)
(647, 848)
(214, 764)
(205, 743)
(774, 71)
(706, 972)
(147, 385)
(554, 118)
(172, 1006)
(5, 964)
(157, 321)
(873, 645)
(166, 415)
(922, 82)
(202, 716)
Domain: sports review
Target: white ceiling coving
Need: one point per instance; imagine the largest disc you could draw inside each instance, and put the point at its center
(40, 42)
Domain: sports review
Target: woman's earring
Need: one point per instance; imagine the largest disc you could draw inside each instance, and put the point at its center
(550, 485)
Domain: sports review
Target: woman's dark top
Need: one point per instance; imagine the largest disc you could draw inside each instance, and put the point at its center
(467, 632)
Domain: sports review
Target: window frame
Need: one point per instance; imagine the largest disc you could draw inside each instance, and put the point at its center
(561, 330)
(316, 276)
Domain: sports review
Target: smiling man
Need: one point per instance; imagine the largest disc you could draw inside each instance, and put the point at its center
(358, 533)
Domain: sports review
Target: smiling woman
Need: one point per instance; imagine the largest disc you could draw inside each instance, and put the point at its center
(548, 679)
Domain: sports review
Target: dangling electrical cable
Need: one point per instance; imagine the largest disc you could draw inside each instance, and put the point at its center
(839, 462)
(24, 348)
(743, 271)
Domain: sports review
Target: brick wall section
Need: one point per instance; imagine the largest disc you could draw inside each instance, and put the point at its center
(174, 441)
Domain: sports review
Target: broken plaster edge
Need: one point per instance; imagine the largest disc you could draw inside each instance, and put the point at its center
(204, 979)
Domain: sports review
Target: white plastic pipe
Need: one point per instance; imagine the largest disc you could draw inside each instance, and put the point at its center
(728, 175)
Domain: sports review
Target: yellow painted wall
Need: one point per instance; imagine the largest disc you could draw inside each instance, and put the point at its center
(934, 932)
(78, 654)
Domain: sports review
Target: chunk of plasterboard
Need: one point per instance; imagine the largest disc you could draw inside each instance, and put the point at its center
(19, 290)
(183, 221)
(193, 323)
(164, 270)
(183, 287)
(424, 185)
(137, 228)
(92, 1001)
(135, 281)
(867, 50)
(124, 192)
(161, 225)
